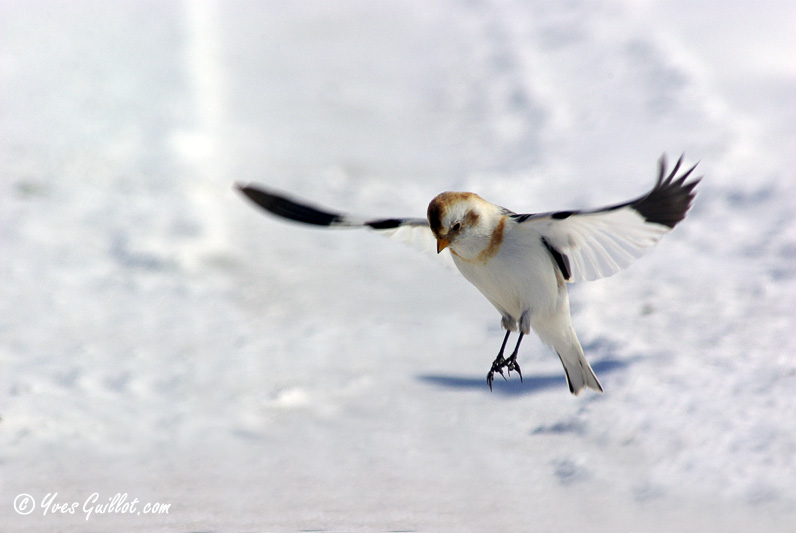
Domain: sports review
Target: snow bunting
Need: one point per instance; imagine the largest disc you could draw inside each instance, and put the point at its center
(522, 262)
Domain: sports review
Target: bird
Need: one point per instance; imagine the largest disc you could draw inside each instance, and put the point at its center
(522, 263)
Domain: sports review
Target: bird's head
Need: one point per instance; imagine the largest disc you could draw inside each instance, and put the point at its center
(462, 220)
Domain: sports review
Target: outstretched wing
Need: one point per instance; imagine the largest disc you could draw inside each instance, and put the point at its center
(588, 245)
(413, 231)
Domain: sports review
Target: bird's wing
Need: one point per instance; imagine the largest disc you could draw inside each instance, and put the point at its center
(413, 231)
(593, 244)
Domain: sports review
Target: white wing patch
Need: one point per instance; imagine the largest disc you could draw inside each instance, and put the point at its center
(599, 244)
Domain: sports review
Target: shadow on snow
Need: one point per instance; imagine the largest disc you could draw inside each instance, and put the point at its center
(513, 387)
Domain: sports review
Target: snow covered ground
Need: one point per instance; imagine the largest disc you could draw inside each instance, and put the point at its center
(160, 338)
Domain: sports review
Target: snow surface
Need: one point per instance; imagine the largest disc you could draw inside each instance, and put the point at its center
(161, 338)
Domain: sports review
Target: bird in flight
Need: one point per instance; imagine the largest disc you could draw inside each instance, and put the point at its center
(521, 263)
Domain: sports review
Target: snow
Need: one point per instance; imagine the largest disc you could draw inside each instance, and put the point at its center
(161, 338)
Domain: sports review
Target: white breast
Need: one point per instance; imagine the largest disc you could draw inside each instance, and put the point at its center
(519, 278)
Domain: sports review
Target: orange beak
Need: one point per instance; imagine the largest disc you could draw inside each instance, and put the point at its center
(442, 244)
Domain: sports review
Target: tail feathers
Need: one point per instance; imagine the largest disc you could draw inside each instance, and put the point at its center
(576, 367)
(578, 371)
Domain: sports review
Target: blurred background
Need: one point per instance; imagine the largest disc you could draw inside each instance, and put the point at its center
(160, 337)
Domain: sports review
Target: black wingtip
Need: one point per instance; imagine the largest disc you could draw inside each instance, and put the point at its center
(671, 198)
(284, 207)
(385, 223)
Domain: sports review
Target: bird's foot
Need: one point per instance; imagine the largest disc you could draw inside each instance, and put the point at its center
(499, 364)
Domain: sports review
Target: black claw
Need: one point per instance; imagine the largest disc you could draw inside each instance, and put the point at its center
(514, 365)
(491, 375)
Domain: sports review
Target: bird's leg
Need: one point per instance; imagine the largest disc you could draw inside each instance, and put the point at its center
(511, 362)
(500, 361)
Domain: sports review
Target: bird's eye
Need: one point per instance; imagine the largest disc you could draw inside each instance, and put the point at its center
(457, 226)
